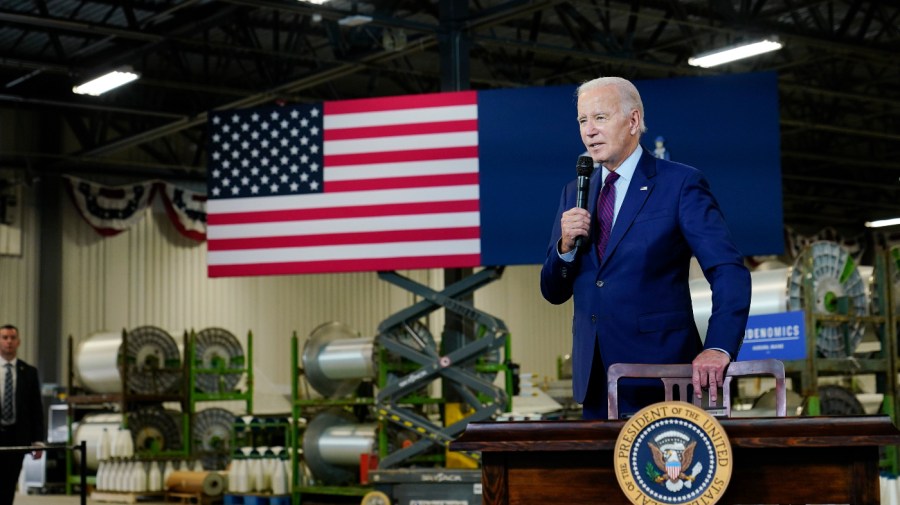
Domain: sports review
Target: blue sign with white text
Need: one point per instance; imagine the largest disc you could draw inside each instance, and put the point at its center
(779, 336)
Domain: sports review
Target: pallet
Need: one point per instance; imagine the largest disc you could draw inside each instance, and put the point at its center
(128, 498)
(192, 498)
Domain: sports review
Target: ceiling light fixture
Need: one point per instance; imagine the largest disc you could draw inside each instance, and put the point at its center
(737, 52)
(355, 20)
(106, 82)
(882, 223)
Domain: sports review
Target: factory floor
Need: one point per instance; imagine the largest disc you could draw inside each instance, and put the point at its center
(47, 499)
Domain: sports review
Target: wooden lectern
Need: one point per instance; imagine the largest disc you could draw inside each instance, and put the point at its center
(787, 460)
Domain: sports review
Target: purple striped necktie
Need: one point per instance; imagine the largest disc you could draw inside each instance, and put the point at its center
(606, 205)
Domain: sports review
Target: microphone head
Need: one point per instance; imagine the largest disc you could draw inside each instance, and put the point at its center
(585, 166)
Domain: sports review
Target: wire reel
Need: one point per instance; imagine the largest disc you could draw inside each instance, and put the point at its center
(153, 359)
(837, 401)
(834, 276)
(211, 434)
(218, 349)
(155, 429)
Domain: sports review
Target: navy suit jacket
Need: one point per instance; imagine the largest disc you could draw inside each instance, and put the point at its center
(637, 303)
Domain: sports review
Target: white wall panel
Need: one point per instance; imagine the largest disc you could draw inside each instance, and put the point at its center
(540, 331)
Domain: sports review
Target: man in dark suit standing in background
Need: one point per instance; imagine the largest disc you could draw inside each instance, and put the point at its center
(644, 220)
(21, 411)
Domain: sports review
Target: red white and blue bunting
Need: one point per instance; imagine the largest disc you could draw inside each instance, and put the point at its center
(113, 209)
(186, 209)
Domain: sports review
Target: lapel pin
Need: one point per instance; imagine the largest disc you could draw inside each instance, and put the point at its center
(643, 188)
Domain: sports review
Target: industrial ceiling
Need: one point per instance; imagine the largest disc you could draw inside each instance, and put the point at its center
(839, 76)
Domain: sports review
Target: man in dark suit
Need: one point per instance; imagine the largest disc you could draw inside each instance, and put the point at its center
(21, 411)
(630, 277)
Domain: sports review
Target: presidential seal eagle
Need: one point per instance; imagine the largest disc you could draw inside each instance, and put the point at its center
(672, 456)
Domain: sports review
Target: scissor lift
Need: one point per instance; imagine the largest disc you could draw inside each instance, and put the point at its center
(459, 368)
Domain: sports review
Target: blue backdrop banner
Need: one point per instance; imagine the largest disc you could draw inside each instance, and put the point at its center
(726, 126)
(461, 179)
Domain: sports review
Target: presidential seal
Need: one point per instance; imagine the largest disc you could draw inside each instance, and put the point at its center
(673, 453)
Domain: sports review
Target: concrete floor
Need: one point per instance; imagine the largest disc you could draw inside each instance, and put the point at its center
(48, 499)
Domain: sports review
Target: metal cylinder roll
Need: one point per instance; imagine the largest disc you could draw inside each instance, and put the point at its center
(90, 431)
(335, 358)
(834, 275)
(211, 434)
(769, 296)
(218, 349)
(152, 357)
(333, 443)
(342, 445)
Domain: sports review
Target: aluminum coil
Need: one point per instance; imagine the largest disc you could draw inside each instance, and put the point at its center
(335, 359)
(332, 445)
(152, 357)
(769, 296)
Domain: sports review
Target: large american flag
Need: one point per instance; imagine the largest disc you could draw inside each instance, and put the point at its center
(356, 185)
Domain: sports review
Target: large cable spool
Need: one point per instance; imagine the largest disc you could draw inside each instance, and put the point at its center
(211, 433)
(332, 445)
(155, 429)
(834, 275)
(152, 357)
(218, 349)
(335, 359)
(835, 400)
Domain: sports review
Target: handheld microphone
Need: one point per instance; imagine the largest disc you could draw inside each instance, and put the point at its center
(584, 167)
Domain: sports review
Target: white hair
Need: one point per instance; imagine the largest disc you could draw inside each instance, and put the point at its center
(629, 97)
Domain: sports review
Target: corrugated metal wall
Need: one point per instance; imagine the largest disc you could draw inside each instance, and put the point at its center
(18, 276)
(541, 332)
(151, 275)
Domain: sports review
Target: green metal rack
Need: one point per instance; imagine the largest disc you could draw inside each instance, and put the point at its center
(885, 364)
